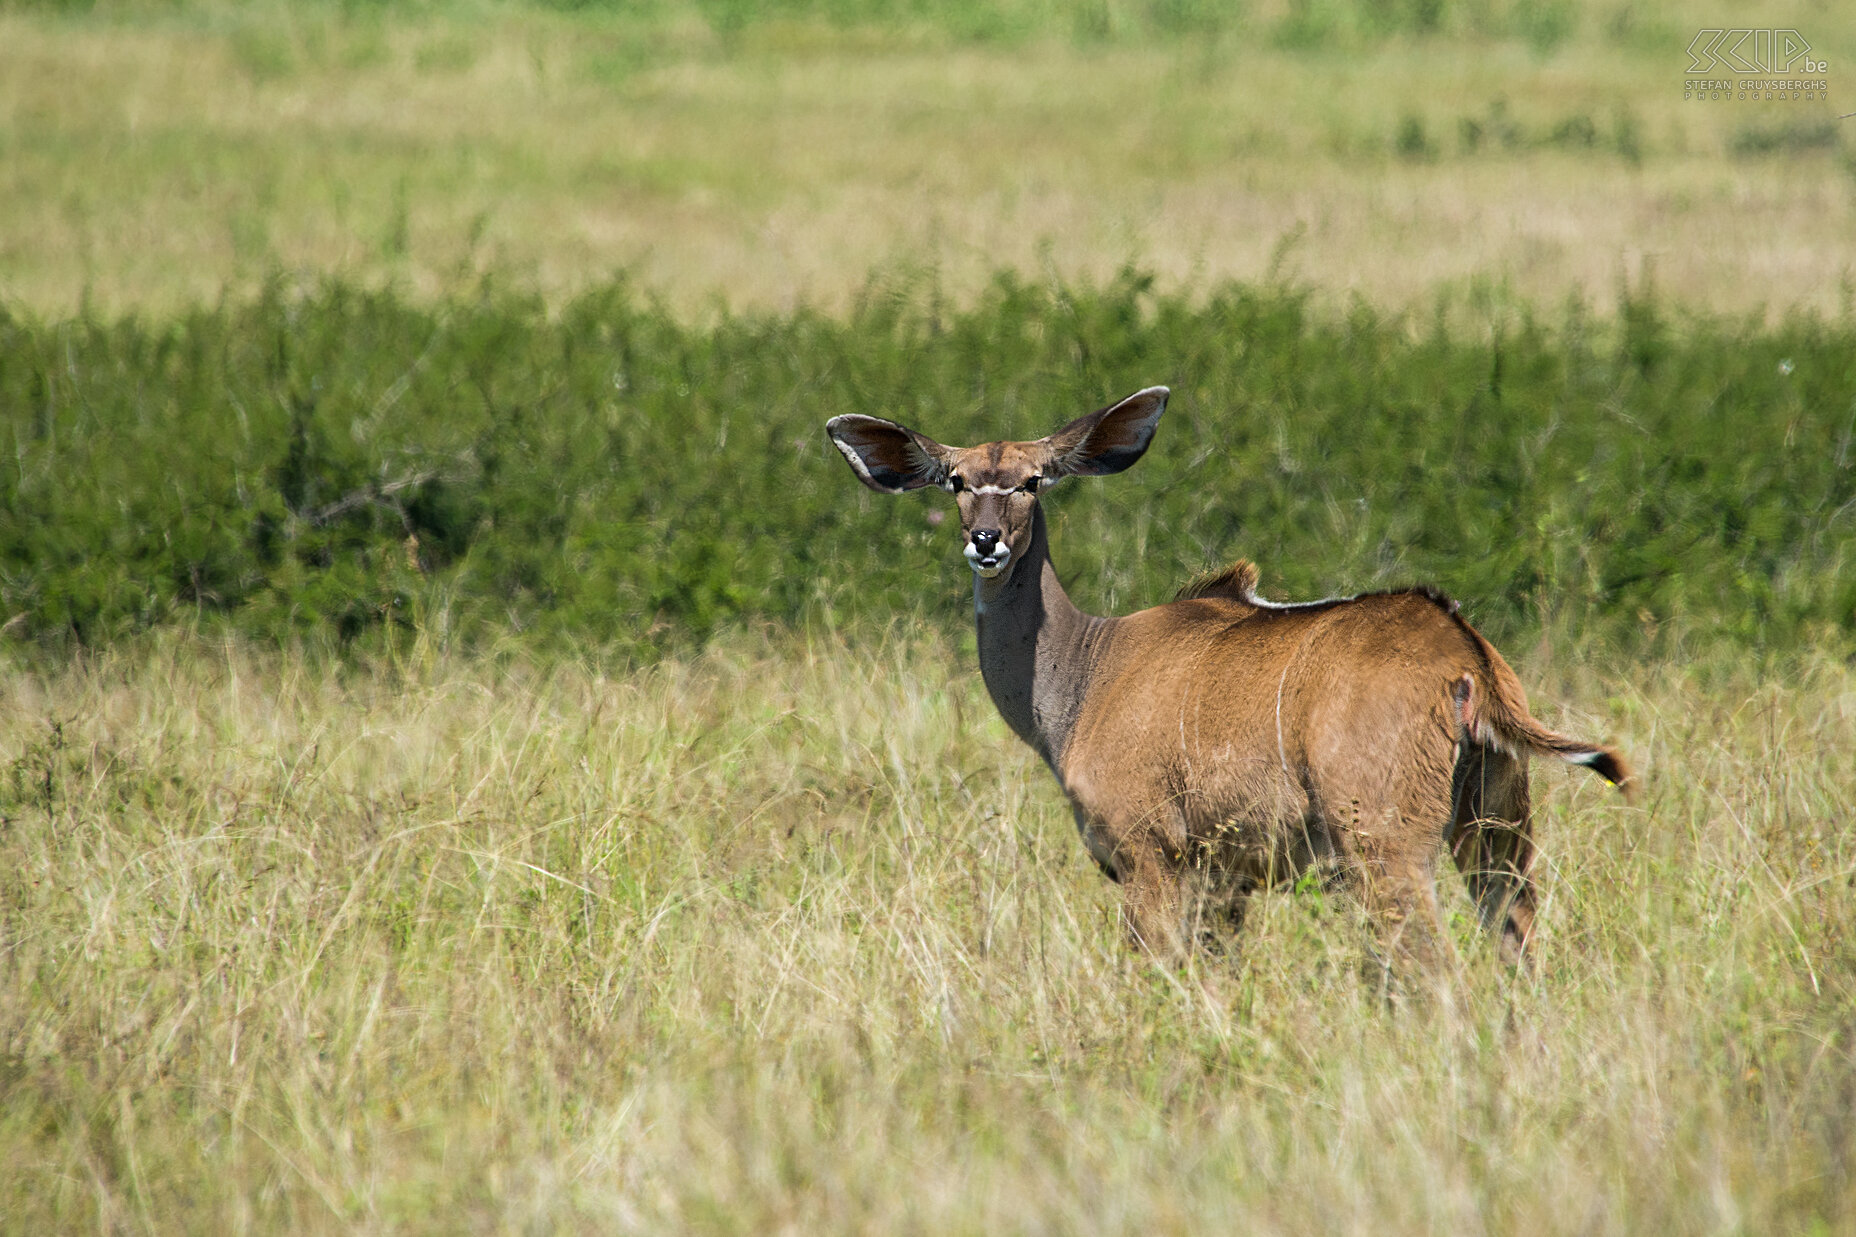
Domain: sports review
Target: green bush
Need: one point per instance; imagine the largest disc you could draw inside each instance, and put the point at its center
(1789, 137)
(352, 463)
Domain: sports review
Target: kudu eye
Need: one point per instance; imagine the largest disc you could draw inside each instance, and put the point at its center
(1031, 485)
(954, 483)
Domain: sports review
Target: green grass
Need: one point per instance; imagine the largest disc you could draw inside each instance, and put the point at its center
(153, 156)
(1302, 23)
(330, 463)
(794, 936)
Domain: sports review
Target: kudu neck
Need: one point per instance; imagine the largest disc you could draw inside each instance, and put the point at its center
(1036, 648)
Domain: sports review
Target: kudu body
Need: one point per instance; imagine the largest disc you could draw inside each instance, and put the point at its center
(1222, 742)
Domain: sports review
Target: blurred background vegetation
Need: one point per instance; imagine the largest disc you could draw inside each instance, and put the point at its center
(360, 320)
(1302, 22)
(327, 459)
(157, 154)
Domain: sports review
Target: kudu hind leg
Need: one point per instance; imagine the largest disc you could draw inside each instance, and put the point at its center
(1493, 843)
(1399, 891)
(1391, 854)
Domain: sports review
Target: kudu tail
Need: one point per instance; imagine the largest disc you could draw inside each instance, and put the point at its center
(1495, 713)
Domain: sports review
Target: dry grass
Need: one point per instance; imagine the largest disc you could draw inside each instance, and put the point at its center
(793, 938)
(153, 165)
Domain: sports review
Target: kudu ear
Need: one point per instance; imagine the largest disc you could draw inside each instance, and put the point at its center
(887, 457)
(1107, 441)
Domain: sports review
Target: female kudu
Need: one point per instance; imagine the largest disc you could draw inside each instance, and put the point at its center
(1234, 737)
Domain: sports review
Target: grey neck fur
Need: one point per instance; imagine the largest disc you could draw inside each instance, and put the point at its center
(1037, 650)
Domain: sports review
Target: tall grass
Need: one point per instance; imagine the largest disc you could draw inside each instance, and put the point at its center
(791, 936)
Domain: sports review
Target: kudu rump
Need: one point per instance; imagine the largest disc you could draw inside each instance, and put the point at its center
(1223, 742)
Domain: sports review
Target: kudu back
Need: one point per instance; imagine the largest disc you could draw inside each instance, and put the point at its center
(1221, 742)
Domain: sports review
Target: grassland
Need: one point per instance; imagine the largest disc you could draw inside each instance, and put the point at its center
(472, 759)
(792, 937)
(153, 156)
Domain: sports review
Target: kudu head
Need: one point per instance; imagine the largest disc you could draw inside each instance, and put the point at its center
(997, 484)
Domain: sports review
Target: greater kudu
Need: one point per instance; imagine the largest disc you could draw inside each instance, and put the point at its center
(1235, 738)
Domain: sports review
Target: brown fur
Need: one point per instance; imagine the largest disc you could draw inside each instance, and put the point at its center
(1222, 742)
(1255, 742)
(1238, 582)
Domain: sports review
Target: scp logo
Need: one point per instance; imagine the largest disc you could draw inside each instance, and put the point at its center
(1750, 51)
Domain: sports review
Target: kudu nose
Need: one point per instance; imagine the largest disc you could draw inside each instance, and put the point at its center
(985, 540)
